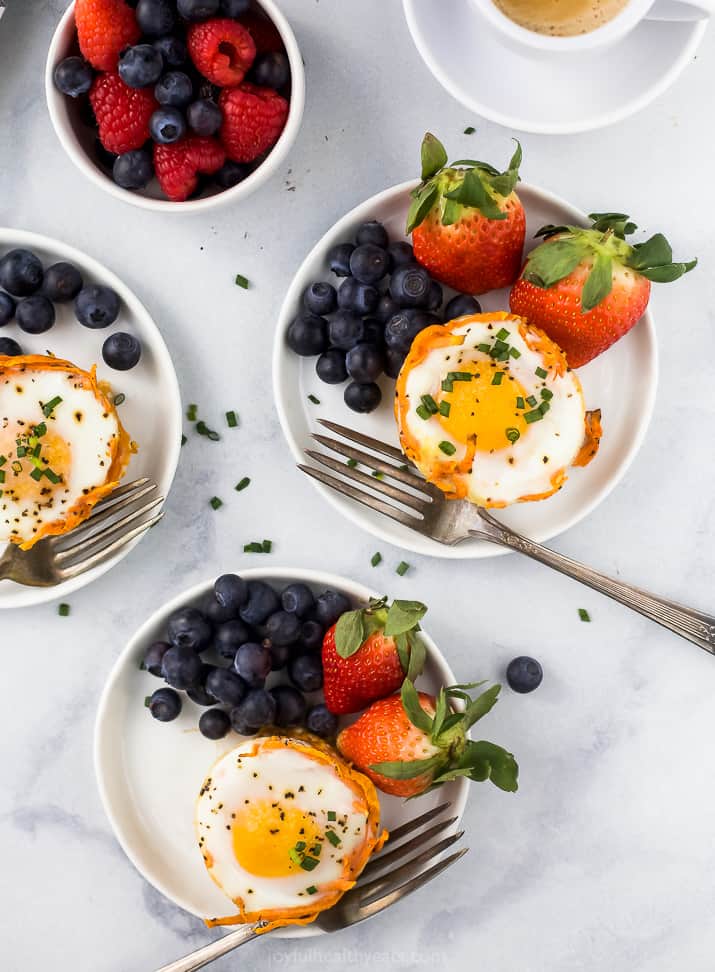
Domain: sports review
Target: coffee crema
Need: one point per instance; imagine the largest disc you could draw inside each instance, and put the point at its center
(560, 18)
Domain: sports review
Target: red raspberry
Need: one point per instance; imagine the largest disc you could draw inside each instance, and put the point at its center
(221, 49)
(263, 31)
(122, 112)
(104, 28)
(178, 166)
(253, 118)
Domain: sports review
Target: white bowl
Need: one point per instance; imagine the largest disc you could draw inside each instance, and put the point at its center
(78, 140)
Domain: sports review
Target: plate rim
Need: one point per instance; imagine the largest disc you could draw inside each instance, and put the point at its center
(102, 740)
(21, 596)
(352, 511)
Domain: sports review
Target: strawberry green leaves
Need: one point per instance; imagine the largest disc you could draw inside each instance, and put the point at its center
(399, 621)
(433, 156)
(654, 260)
(414, 711)
(548, 264)
(423, 199)
(472, 192)
(404, 616)
(599, 282)
(618, 223)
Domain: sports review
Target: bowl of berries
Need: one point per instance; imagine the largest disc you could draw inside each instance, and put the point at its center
(178, 105)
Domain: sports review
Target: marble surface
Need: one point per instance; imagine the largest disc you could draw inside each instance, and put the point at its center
(605, 858)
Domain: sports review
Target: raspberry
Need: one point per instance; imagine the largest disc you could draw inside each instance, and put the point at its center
(104, 28)
(263, 31)
(122, 113)
(253, 118)
(221, 49)
(178, 166)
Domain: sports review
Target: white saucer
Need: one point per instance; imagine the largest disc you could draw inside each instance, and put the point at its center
(554, 95)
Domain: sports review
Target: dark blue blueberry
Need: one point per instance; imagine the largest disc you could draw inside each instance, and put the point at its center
(235, 8)
(164, 704)
(262, 602)
(368, 263)
(229, 637)
(140, 66)
(231, 173)
(167, 125)
(106, 159)
(401, 330)
(20, 273)
(410, 286)
(460, 305)
(257, 709)
(155, 17)
(308, 334)
(226, 686)
(253, 663)
(121, 351)
(216, 613)
(204, 116)
(133, 169)
(524, 674)
(173, 50)
(197, 9)
(357, 297)
(394, 360)
(198, 692)
(400, 253)
(174, 89)
(283, 628)
(73, 76)
(329, 606)
(434, 297)
(231, 591)
(35, 314)
(62, 282)
(96, 306)
(214, 724)
(306, 672)
(153, 656)
(330, 367)
(290, 706)
(372, 232)
(320, 298)
(9, 347)
(321, 721)
(365, 362)
(362, 397)
(373, 332)
(311, 635)
(339, 259)
(181, 666)
(386, 308)
(7, 309)
(345, 330)
(298, 599)
(270, 70)
(188, 628)
(279, 656)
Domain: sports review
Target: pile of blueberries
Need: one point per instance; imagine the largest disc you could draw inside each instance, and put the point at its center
(29, 296)
(248, 630)
(365, 327)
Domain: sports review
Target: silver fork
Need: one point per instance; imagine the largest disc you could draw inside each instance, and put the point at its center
(114, 522)
(370, 895)
(423, 507)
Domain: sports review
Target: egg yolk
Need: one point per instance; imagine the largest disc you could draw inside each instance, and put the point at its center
(264, 834)
(27, 456)
(485, 407)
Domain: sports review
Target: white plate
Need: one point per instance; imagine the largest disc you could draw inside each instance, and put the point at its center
(149, 774)
(621, 382)
(151, 412)
(556, 95)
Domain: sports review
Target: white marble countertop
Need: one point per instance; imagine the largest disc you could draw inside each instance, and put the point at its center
(605, 859)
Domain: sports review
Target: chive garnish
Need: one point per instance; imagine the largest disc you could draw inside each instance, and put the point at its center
(313, 399)
(309, 863)
(311, 890)
(267, 546)
(300, 846)
(36, 474)
(3, 460)
(513, 434)
(447, 385)
(49, 408)
(36, 451)
(484, 347)
(315, 850)
(500, 346)
(333, 838)
(192, 412)
(294, 856)
(583, 614)
(534, 416)
(502, 334)
(253, 548)
(352, 463)
(469, 130)
(231, 419)
(241, 281)
(429, 403)
(531, 401)
(52, 476)
(120, 399)
(402, 568)
(447, 448)
(21, 452)
(332, 815)
(541, 373)
(459, 376)
(17, 467)
(2, 476)
(215, 502)
(40, 430)
(242, 485)
(203, 429)
(445, 408)
(423, 413)
(497, 379)
(63, 610)
(544, 407)
(546, 394)
(514, 352)
(519, 401)
(184, 440)
(374, 560)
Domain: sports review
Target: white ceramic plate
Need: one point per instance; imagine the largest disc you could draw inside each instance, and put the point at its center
(149, 774)
(554, 95)
(621, 382)
(151, 412)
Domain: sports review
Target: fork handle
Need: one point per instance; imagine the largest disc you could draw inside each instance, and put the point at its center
(207, 953)
(686, 622)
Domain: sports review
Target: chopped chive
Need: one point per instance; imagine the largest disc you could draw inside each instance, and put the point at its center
(423, 413)
(502, 334)
(531, 401)
(544, 407)
(311, 890)
(3, 460)
(374, 560)
(36, 451)
(402, 568)
(215, 502)
(184, 440)
(541, 373)
(267, 546)
(447, 448)
(300, 846)
(429, 403)
(313, 399)
(49, 408)
(500, 346)
(21, 452)
(231, 419)
(40, 430)
(459, 376)
(253, 548)
(333, 838)
(241, 281)
(546, 394)
(192, 412)
(63, 610)
(315, 850)
(498, 377)
(534, 416)
(242, 485)
(352, 463)
(469, 130)
(309, 863)
(519, 401)
(332, 815)
(514, 352)
(513, 434)
(120, 398)
(377, 474)
(2, 476)
(36, 474)
(17, 467)
(444, 409)
(583, 614)
(52, 476)
(484, 347)
(502, 356)
(294, 856)
(447, 385)
(203, 429)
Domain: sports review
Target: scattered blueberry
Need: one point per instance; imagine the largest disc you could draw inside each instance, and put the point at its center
(96, 306)
(329, 606)
(400, 253)
(369, 263)
(253, 663)
(164, 704)
(7, 309)
(198, 692)
(133, 169)
(235, 8)
(290, 705)
(174, 89)
(181, 666)
(345, 330)
(9, 347)
(306, 672)
(35, 314)
(188, 628)
(298, 599)
(339, 259)
(401, 330)
(394, 360)
(20, 273)
(307, 335)
(231, 173)
(364, 362)
(262, 602)
(373, 331)
(320, 298)
(434, 297)
(173, 50)
(330, 367)
(231, 591)
(362, 397)
(155, 17)
(140, 66)
(204, 116)
(372, 232)
(214, 724)
(153, 656)
(524, 674)
(62, 282)
(410, 286)
(311, 635)
(167, 125)
(229, 637)
(257, 709)
(73, 76)
(271, 70)
(283, 628)
(226, 686)
(121, 351)
(357, 297)
(321, 721)
(279, 656)
(197, 9)
(386, 308)
(460, 305)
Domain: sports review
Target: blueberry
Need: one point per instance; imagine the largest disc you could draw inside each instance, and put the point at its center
(345, 330)
(155, 17)
(181, 666)
(524, 674)
(271, 70)
(173, 50)
(373, 331)
(231, 591)
(73, 76)
(235, 8)
(204, 116)
(330, 367)
(226, 686)
(35, 314)
(230, 636)
(306, 672)
(121, 351)
(362, 397)
(298, 599)
(262, 602)
(357, 297)
(96, 306)
(460, 305)
(401, 330)
(7, 309)
(329, 606)
(216, 613)
(20, 273)
(410, 286)
(230, 174)
(153, 656)
(140, 66)
(62, 282)
(394, 360)
(197, 9)
(434, 297)
(164, 704)
(253, 663)
(174, 89)
(308, 335)
(386, 308)
(320, 298)
(283, 628)
(321, 721)
(279, 657)
(198, 692)
(188, 628)
(9, 347)
(400, 253)
(311, 635)
(372, 232)
(364, 362)
(133, 169)
(167, 125)
(214, 724)
(368, 263)
(339, 259)
(106, 159)
(257, 709)
(290, 706)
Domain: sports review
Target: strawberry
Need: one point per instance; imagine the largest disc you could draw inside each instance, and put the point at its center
(253, 118)
(586, 288)
(221, 49)
(104, 28)
(367, 654)
(467, 223)
(122, 113)
(412, 742)
(178, 165)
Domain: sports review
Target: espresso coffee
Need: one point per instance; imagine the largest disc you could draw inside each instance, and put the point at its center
(561, 18)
